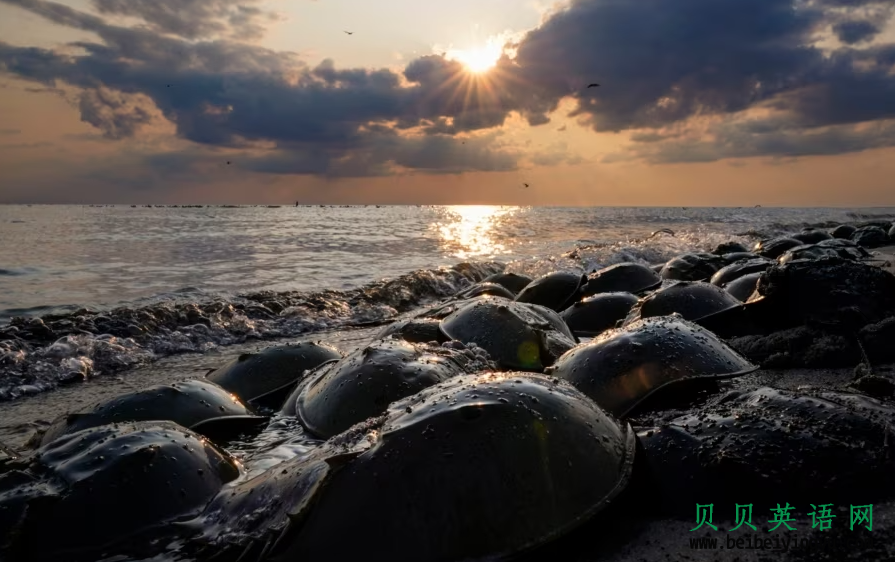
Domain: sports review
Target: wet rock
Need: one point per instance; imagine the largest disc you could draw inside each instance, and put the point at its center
(879, 340)
(769, 444)
(799, 347)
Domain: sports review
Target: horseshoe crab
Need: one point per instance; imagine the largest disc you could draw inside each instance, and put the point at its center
(196, 404)
(848, 244)
(692, 267)
(691, 299)
(729, 248)
(830, 290)
(512, 281)
(108, 488)
(820, 250)
(871, 236)
(556, 290)
(843, 231)
(737, 269)
(775, 247)
(739, 256)
(822, 288)
(627, 277)
(743, 287)
(621, 368)
(414, 330)
(598, 313)
(768, 442)
(483, 288)
(517, 336)
(266, 378)
(479, 467)
(811, 236)
(363, 384)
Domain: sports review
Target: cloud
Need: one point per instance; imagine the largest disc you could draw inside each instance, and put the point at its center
(855, 31)
(10, 131)
(748, 138)
(193, 19)
(664, 68)
(116, 114)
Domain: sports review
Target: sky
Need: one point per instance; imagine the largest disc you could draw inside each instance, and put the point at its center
(699, 103)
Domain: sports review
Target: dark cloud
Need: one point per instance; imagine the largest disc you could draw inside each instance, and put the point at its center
(855, 31)
(192, 19)
(762, 138)
(662, 66)
(116, 114)
(10, 131)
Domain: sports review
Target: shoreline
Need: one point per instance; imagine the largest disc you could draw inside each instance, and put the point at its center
(640, 530)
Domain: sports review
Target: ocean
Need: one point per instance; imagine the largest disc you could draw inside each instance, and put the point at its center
(92, 291)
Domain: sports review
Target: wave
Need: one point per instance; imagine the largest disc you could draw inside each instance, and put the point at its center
(39, 354)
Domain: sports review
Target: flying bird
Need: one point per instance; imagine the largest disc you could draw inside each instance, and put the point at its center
(350, 32)
(593, 85)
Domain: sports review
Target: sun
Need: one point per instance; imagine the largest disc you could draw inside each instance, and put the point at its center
(478, 60)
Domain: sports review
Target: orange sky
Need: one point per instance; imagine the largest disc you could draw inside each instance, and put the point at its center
(48, 154)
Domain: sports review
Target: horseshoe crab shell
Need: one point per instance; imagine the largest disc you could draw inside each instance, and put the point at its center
(829, 290)
(729, 248)
(625, 277)
(512, 281)
(187, 403)
(110, 488)
(742, 287)
(621, 368)
(363, 384)
(739, 256)
(871, 236)
(823, 287)
(812, 236)
(517, 336)
(598, 313)
(692, 267)
(775, 247)
(479, 467)
(816, 251)
(483, 288)
(556, 290)
(845, 244)
(737, 269)
(691, 299)
(843, 231)
(414, 330)
(769, 442)
(272, 374)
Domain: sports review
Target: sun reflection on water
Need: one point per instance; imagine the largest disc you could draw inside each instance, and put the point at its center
(471, 230)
